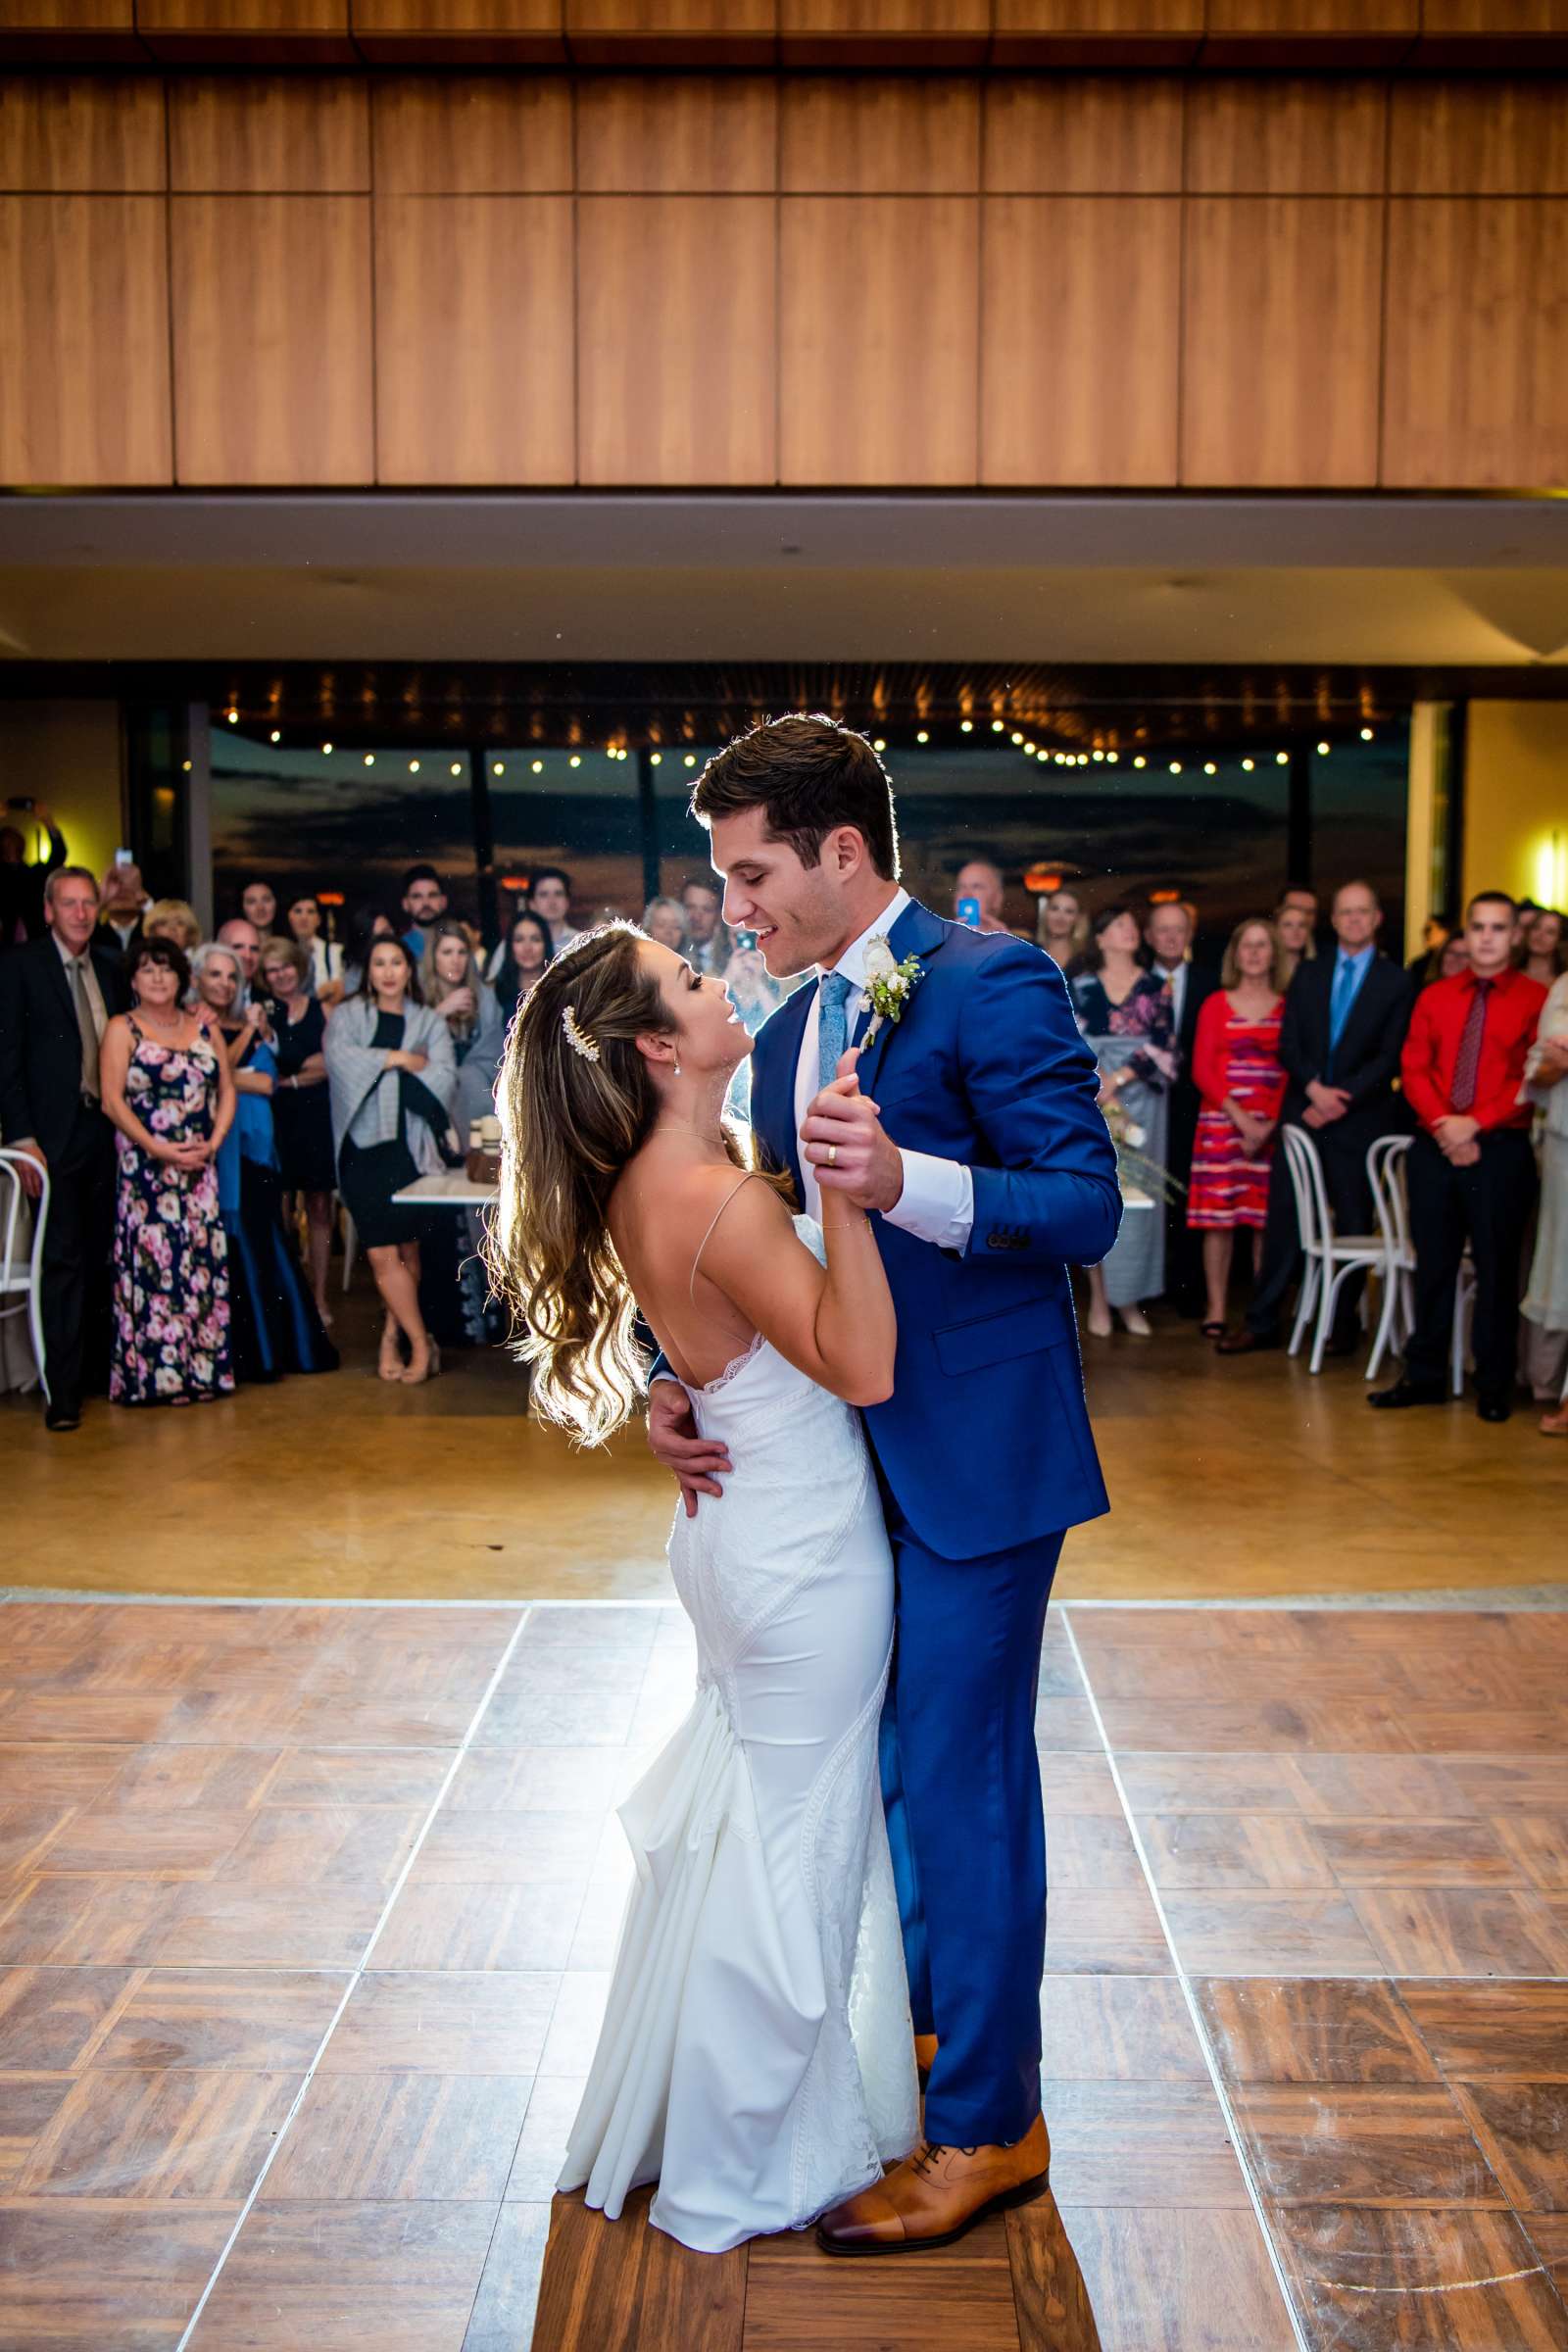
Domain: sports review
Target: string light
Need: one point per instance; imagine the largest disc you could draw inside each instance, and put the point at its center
(1323, 751)
(538, 766)
(1015, 736)
(326, 751)
(1209, 767)
(997, 726)
(880, 744)
(922, 736)
(575, 760)
(1366, 734)
(1111, 757)
(276, 735)
(414, 767)
(1175, 767)
(966, 726)
(232, 718)
(1282, 759)
(1097, 754)
(498, 768)
(1140, 761)
(1248, 766)
(370, 758)
(185, 764)
(691, 759)
(457, 768)
(655, 758)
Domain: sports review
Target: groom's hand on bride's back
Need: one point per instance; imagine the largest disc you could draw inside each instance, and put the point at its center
(673, 1436)
(844, 1140)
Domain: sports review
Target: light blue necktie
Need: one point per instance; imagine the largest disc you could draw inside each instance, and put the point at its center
(833, 1024)
(1340, 1004)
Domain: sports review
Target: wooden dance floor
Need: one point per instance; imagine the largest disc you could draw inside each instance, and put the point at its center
(306, 1913)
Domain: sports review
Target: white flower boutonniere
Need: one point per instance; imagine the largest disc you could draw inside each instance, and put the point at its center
(889, 985)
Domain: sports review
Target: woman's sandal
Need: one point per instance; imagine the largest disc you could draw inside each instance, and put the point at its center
(432, 1365)
(1213, 1331)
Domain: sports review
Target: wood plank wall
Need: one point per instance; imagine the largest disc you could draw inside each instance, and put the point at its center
(1086, 279)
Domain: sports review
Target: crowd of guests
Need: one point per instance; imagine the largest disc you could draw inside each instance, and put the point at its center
(203, 1105)
(1463, 1053)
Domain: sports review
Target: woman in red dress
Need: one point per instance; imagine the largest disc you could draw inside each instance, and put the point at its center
(1236, 1069)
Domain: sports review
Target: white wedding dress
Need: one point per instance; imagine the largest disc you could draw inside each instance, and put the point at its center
(756, 2057)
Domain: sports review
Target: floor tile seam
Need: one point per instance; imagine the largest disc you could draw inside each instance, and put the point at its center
(51, 1595)
(355, 1976)
(1200, 2027)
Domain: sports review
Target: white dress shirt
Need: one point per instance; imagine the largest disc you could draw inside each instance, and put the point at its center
(1176, 981)
(937, 1202)
(89, 980)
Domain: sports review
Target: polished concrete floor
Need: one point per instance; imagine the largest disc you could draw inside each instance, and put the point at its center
(1229, 1479)
(306, 1913)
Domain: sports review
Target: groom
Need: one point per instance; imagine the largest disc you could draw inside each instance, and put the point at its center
(976, 1136)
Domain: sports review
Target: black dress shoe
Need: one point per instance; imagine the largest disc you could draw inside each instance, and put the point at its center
(1246, 1341)
(62, 1417)
(1410, 1392)
(1494, 1408)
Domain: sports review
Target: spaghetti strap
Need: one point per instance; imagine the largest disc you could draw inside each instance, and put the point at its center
(708, 1235)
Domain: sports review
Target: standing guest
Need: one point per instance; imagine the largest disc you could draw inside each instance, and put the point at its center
(1236, 1067)
(1126, 1015)
(365, 924)
(528, 952)
(301, 1116)
(258, 904)
(984, 882)
(325, 957)
(710, 942)
(423, 899)
(1301, 895)
(175, 919)
(550, 898)
(1346, 1018)
(57, 996)
(1542, 953)
(1471, 1168)
(275, 1328)
(1293, 922)
(1546, 1301)
(665, 921)
(394, 1078)
(121, 902)
(168, 1089)
(1454, 957)
(1168, 936)
(23, 879)
(474, 1021)
(1436, 933)
(240, 934)
(1064, 929)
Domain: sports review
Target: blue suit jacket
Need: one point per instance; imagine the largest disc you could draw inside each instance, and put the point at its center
(985, 1442)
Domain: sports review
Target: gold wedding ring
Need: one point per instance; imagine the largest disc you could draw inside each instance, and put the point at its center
(832, 1155)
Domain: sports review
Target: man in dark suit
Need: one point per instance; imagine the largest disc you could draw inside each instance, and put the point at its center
(1346, 1016)
(1168, 934)
(57, 996)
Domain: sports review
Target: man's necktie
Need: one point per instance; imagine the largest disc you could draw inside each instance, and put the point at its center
(1341, 1001)
(833, 1030)
(88, 1027)
(1467, 1061)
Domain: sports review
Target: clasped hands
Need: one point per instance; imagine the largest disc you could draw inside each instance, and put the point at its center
(1455, 1138)
(843, 1138)
(1324, 1103)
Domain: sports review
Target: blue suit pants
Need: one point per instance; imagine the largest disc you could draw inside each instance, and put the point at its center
(961, 1784)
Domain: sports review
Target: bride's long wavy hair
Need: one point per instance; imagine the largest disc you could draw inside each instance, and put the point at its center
(569, 1123)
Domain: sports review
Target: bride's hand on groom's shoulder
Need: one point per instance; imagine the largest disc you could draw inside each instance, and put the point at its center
(673, 1440)
(843, 1138)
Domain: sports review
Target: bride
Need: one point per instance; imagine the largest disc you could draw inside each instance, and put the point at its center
(756, 2057)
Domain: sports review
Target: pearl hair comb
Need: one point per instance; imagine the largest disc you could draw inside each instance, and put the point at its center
(577, 1037)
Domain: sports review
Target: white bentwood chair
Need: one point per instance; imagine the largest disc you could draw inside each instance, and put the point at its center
(1331, 1257)
(23, 1282)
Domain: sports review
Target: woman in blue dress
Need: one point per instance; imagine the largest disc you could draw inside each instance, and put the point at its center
(276, 1327)
(167, 1089)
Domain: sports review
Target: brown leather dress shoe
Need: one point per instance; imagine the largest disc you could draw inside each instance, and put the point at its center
(936, 2194)
(925, 2056)
(1246, 1341)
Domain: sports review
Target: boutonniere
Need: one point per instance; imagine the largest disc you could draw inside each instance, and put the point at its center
(889, 985)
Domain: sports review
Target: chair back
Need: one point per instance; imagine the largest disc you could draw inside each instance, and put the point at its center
(14, 1276)
(1313, 1222)
(1391, 1202)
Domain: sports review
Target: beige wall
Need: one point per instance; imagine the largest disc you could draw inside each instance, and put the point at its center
(1516, 800)
(70, 755)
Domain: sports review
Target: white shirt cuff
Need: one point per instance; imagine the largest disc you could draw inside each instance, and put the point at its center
(937, 1202)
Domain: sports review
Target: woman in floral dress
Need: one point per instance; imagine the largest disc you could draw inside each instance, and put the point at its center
(168, 1089)
(1126, 1015)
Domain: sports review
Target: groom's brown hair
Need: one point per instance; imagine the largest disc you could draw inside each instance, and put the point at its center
(807, 776)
